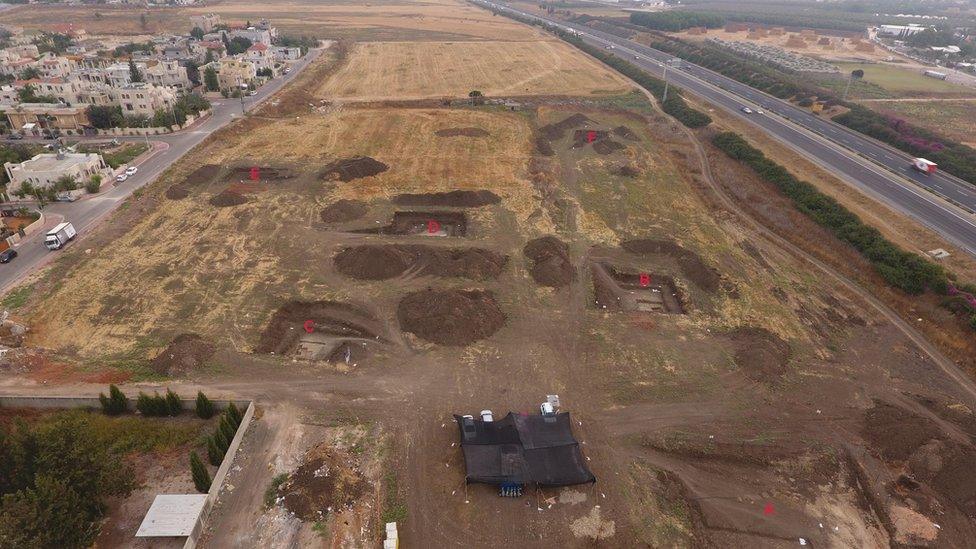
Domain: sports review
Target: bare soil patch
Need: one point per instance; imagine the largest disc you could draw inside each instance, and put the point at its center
(227, 198)
(450, 317)
(343, 210)
(551, 265)
(457, 199)
(895, 432)
(628, 170)
(263, 173)
(424, 223)
(555, 131)
(315, 329)
(186, 353)
(462, 132)
(379, 262)
(327, 482)
(200, 176)
(761, 354)
(626, 291)
(692, 266)
(625, 133)
(356, 167)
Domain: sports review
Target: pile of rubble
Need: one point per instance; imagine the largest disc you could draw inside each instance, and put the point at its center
(776, 56)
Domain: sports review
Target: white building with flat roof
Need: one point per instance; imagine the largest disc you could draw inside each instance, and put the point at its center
(44, 169)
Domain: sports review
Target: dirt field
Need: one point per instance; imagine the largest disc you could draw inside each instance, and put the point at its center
(906, 81)
(413, 70)
(423, 20)
(838, 48)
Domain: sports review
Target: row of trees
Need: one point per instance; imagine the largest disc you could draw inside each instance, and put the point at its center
(904, 270)
(62, 184)
(116, 403)
(111, 116)
(217, 445)
(676, 20)
(953, 156)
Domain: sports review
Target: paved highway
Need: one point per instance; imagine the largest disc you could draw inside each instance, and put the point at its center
(873, 167)
(167, 149)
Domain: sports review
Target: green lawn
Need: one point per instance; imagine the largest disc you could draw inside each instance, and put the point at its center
(122, 155)
(903, 81)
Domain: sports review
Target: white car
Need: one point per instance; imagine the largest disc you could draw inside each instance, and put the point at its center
(121, 177)
(486, 416)
(252, 93)
(547, 409)
(746, 110)
(131, 170)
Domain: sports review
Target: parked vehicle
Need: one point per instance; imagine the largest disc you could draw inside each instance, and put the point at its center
(925, 166)
(547, 409)
(121, 177)
(7, 255)
(486, 415)
(131, 170)
(14, 136)
(56, 238)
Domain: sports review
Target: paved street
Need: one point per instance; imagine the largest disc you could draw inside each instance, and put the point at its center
(167, 149)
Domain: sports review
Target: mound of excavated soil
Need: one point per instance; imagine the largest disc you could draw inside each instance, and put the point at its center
(185, 353)
(582, 138)
(286, 327)
(761, 354)
(347, 169)
(895, 432)
(551, 265)
(450, 317)
(379, 262)
(177, 192)
(343, 210)
(457, 199)
(462, 132)
(691, 265)
(552, 132)
(227, 198)
(324, 483)
(203, 174)
(441, 223)
(625, 133)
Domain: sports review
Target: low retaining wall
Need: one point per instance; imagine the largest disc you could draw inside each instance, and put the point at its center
(218, 479)
(53, 403)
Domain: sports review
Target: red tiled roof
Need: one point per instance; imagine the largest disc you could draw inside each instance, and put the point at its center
(260, 46)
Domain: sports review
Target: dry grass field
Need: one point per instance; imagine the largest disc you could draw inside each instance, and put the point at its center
(192, 266)
(953, 119)
(385, 20)
(405, 70)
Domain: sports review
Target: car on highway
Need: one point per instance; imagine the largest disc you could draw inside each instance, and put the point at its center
(131, 170)
(746, 110)
(7, 255)
(121, 177)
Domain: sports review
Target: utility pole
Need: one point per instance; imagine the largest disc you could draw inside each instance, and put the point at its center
(665, 98)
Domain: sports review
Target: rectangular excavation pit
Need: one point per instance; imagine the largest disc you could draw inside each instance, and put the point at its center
(424, 224)
(644, 292)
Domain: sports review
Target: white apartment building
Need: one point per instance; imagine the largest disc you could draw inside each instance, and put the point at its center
(260, 56)
(255, 35)
(284, 53)
(206, 22)
(55, 66)
(167, 73)
(44, 169)
(142, 98)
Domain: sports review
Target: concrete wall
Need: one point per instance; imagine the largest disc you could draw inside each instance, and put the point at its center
(218, 479)
(46, 402)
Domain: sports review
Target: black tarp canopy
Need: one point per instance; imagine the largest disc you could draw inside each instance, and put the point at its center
(523, 449)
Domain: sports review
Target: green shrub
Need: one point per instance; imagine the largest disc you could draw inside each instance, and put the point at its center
(214, 454)
(152, 406)
(115, 403)
(221, 441)
(907, 271)
(674, 20)
(173, 403)
(234, 414)
(201, 477)
(271, 493)
(226, 427)
(205, 408)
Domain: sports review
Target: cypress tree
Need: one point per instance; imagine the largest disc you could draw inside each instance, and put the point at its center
(214, 454)
(235, 415)
(205, 408)
(173, 403)
(115, 403)
(201, 477)
(226, 427)
(220, 441)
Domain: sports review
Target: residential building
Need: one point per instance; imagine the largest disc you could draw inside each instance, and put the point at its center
(206, 22)
(232, 73)
(264, 24)
(167, 73)
(119, 74)
(261, 57)
(255, 35)
(14, 68)
(285, 53)
(33, 118)
(62, 89)
(55, 66)
(200, 49)
(44, 169)
(142, 98)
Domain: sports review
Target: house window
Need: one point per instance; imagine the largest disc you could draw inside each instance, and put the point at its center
(128, 106)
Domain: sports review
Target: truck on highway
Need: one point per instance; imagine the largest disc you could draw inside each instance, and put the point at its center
(56, 238)
(924, 166)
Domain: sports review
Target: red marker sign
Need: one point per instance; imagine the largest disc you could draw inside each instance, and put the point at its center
(255, 173)
(645, 280)
(309, 326)
(433, 227)
(590, 136)
(768, 509)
